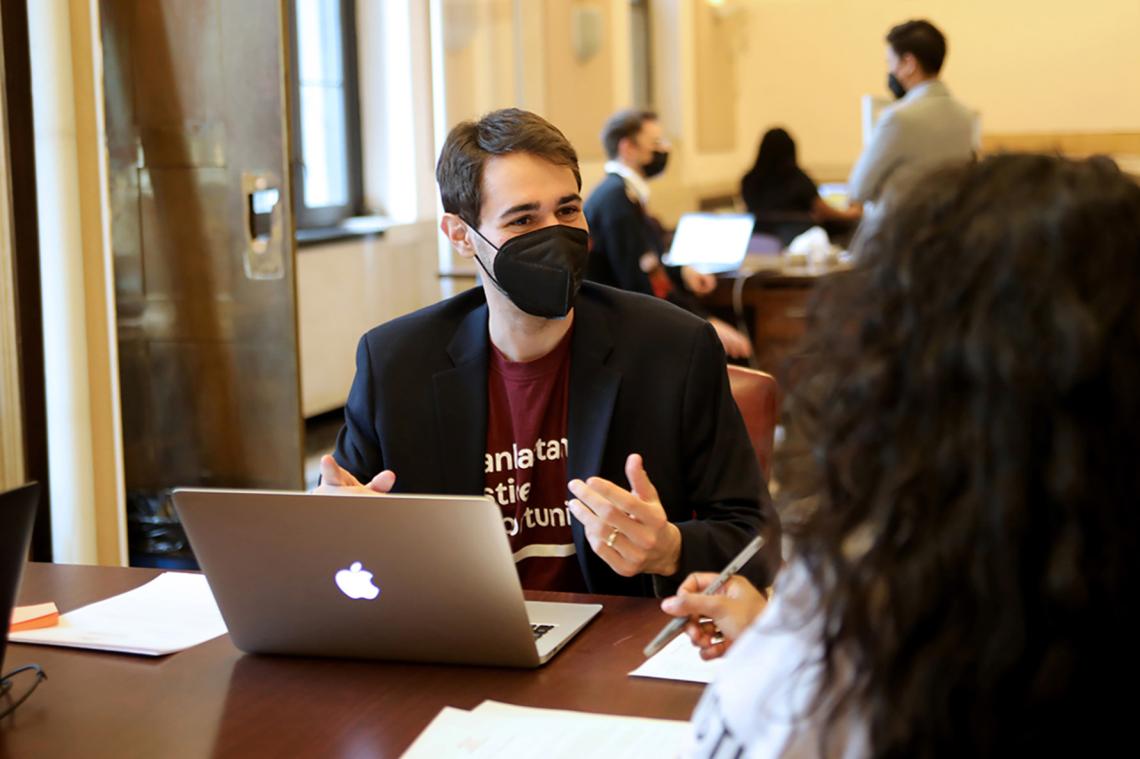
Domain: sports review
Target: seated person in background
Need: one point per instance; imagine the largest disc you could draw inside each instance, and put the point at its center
(526, 387)
(627, 241)
(784, 199)
(926, 127)
(966, 581)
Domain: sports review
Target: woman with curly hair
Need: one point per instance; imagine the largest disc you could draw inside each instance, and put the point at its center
(965, 581)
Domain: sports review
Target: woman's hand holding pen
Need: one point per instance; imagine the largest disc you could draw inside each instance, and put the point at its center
(731, 609)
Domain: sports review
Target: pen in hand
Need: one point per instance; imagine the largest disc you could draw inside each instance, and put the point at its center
(675, 626)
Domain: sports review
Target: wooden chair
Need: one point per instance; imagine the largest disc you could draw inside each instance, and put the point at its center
(757, 396)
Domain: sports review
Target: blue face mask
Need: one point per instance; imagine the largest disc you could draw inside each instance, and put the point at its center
(541, 271)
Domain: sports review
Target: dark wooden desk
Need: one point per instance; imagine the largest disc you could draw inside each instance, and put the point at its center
(212, 700)
(774, 300)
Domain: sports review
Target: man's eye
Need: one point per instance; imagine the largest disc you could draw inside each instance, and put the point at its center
(521, 221)
(569, 211)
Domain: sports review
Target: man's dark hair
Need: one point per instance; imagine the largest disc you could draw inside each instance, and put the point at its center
(966, 428)
(623, 124)
(921, 39)
(469, 145)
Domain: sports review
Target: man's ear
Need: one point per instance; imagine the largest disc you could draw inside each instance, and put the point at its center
(624, 146)
(456, 230)
(909, 65)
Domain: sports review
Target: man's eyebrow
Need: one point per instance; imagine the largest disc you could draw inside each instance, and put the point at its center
(573, 197)
(518, 208)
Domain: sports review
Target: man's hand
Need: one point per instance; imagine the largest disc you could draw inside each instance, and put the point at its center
(731, 609)
(697, 282)
(735, 343)
(648, 262)
(336, 480)
(628, 529)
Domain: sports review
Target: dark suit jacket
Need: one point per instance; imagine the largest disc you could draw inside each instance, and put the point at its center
(621, 232)
(645, 377)
(620, 235)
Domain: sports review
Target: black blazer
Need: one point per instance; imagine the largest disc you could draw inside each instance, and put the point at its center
(621, 232)
(645, 377)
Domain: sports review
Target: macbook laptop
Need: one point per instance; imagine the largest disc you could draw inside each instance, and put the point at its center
(403, 577)
(711, 242)
(17, 515)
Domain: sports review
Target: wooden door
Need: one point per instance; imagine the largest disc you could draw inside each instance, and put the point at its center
(203, 243)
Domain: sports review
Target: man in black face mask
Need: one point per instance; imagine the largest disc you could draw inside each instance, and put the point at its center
(925, 127)
(600, 422)
(628, 241)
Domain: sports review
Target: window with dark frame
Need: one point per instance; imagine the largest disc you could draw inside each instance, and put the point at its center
(327, 185)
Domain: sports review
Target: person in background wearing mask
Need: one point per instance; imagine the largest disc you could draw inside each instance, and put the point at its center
(925, 127)
(627, 241)
(536, 384)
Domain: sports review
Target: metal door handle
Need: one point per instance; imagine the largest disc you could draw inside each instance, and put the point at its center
(263, 253)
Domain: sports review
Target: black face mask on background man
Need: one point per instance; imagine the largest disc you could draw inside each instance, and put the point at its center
(541, 271)
(656, 165)
(895, 86)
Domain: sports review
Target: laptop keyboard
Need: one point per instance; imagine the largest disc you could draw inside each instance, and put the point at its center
(540, 630)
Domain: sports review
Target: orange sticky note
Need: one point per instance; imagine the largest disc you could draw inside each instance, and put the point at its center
(34, 617)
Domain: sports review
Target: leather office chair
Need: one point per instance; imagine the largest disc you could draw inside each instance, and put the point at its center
(757, 396)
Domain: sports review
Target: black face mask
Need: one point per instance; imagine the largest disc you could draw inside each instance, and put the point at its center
(656, 165)
(541, 271)
(895, 86)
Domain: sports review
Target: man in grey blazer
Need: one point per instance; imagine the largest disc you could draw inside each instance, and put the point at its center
(925, 127)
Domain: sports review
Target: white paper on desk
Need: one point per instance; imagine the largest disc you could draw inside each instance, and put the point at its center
(502, 730)
(679, 660)
(172, 612)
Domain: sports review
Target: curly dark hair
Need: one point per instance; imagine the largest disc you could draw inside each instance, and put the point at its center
(971, 407)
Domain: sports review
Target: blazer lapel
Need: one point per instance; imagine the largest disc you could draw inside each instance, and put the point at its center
(593, 390)
(461, 406)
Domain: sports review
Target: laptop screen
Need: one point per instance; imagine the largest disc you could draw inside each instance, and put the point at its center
(17, 515)
(711, 242)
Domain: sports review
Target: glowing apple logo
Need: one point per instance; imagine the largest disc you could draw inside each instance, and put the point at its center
(356, 582)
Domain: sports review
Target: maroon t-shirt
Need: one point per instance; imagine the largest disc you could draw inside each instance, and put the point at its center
(525, 464)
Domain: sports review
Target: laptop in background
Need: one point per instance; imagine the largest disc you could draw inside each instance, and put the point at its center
(17, 515)
(711, 242)
(402, 577)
